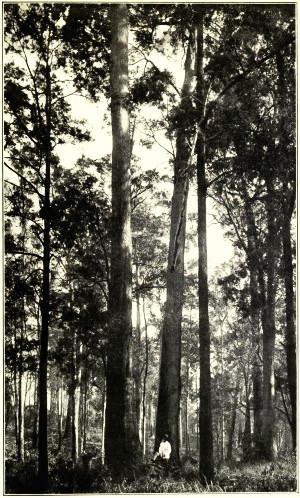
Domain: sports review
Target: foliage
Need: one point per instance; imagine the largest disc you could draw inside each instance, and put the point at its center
(65, 477)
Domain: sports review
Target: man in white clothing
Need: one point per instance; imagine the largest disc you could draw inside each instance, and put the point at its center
(164, 453)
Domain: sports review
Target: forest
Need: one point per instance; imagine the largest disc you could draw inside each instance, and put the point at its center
(149, 187)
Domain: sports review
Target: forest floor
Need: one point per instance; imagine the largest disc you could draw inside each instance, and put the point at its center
(64, 477)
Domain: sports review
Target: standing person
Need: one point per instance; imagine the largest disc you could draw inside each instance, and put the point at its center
(164, 453)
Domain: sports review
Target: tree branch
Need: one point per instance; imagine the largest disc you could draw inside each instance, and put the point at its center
(25, 180)
(25, 253)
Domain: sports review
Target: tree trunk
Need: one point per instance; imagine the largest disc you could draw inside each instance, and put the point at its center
(144, 420)
(269, 328)
(77, 398)
(103, 424)
(167, 418)
(44, 336)
(122, 446)
(247, 426)
(233, 420)
(257, 304)
(138, 366)
(287, 161)
(60, 414)
(206, 468)
(290, 334)
(21, 417)
(67, 431)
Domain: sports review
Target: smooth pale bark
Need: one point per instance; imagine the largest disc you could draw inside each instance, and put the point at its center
(60, 413)
(122, 446)
(233, 420)
(144, 419)
(206, 467)
(137, 371)
(103, 424)
(167, 418)
(77, 399)
(21, 417)
(247, 424)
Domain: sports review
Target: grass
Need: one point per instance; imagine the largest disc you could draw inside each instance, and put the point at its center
(66, 478)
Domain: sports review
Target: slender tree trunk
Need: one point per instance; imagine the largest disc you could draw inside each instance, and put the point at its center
(35, 417)
(84, 408)
(269, 328)
(287, 161)
(60, 413)
(77, 398)
(247, 426)
(256, 364)
(290, 335)
(21, 417)
(137, 366)
(144, 420)
(167, 418)
(103, 424)
(44, 336)
(206, 468)
(15, 388)
(232, 421)
(67, 431)
(122, 445)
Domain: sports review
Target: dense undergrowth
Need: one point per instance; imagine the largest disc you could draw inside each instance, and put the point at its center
(64, 477)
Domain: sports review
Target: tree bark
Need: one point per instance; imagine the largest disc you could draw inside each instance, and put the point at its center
(44, 336)
(269, 329)
(144, 419)
(290, 334)
(122, 446)
(232, 420)
(167, 418)
(287, 160)
(206, 468)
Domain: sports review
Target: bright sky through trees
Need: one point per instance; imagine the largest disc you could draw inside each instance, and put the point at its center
(96, 116)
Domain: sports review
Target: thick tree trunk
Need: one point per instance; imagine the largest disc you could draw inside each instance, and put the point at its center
(167, 419)
(122, 446)
(206, 468)
(44, 336)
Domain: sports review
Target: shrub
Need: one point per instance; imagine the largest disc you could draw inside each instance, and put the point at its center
(21, 477)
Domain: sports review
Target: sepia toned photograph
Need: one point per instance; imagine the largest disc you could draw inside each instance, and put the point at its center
(149, 226)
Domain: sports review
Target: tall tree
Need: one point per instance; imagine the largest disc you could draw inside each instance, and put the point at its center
(40, 120)
(206, 467)
(167, 420)
(122, 446)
